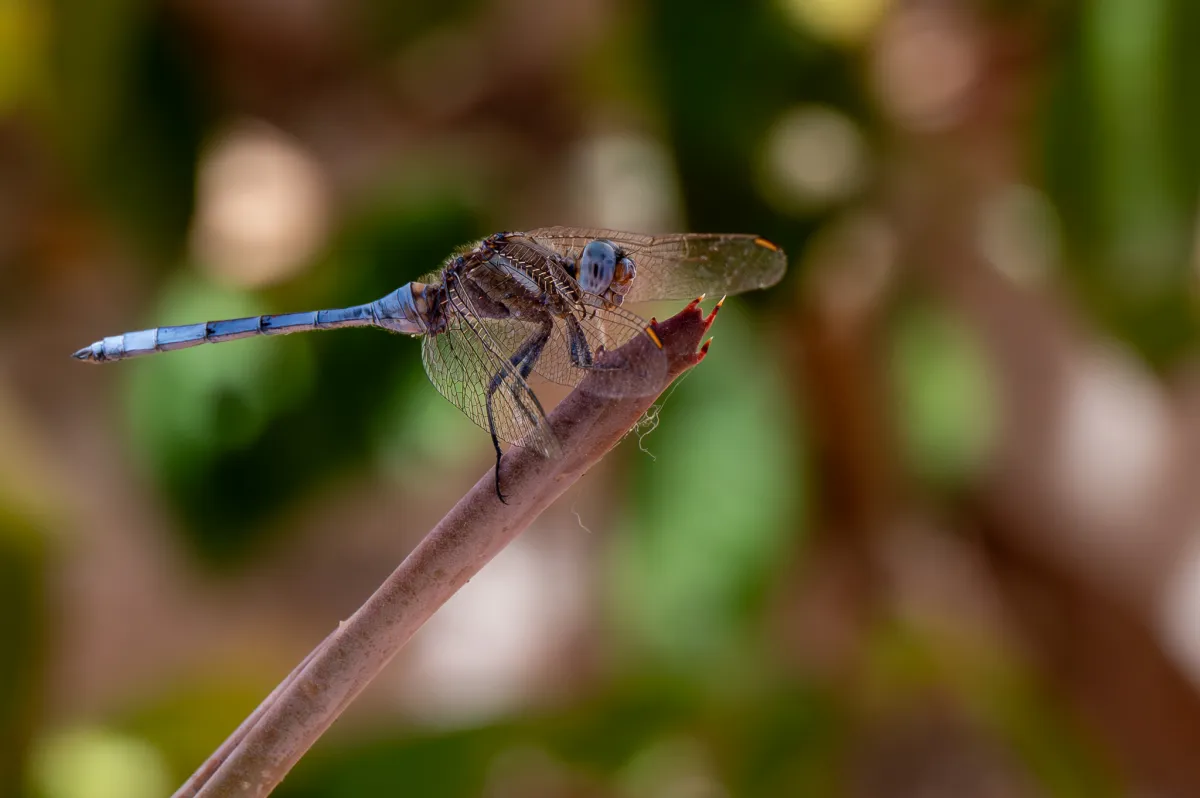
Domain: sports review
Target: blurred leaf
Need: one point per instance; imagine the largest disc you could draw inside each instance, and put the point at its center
(788, 741)
(723, 79)
(422, 435)
(438, 766)
(643, 736)
(130, 115)
(189, 722)
(666, 765)
(944, 396)
(387, 25)
(906, 664)
(1142, 220)
(24, 41)
(1055, 748)
(22, 629)
(98, 763)
(843, 22)
(1123, 168)
(714, 513)
(29, 512)
(609, 726)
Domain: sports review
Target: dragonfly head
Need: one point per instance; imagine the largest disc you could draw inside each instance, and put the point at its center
(604, 268)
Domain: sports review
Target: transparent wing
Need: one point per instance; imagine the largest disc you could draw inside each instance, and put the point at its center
(464, 365)
(584, 343)
(680, 266)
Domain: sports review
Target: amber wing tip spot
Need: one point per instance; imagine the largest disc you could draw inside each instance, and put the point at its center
(765, 244)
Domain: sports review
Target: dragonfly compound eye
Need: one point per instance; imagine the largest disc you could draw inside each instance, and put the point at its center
(623, 277)
(597, 265)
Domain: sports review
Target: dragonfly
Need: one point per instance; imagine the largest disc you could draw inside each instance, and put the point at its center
(548, 301)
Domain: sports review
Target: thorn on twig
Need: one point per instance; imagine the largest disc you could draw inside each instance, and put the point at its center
(713, 316)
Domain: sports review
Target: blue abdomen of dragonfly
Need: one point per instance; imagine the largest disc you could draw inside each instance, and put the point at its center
(405, 310)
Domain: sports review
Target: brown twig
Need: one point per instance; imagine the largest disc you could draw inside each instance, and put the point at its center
(266, 746)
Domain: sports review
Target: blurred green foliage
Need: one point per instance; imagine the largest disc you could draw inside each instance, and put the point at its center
(23, 628)
(945, 402)
(1122, 166)
(129, 111)
(639, 739)
(712, 521)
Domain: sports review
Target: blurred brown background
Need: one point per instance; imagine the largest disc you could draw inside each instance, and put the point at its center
(925, 523)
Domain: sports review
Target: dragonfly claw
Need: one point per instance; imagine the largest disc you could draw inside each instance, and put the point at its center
(503, 499)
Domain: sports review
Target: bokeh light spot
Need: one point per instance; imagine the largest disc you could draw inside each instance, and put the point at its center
(623, 181)
(262, 207)
(1179, 613)
(814, 156)
(98, 763)
(925, 64)
(1111, 407)
(1019, 234)
(845, 22)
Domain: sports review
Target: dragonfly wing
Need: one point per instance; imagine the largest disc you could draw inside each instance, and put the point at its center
(620, 370)
(680, 266)
(586, 343)
(464, 365)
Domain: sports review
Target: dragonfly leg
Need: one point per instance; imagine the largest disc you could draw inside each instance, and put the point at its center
(581, 352)
(523, 360)
(495, 442)
(527, 355)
